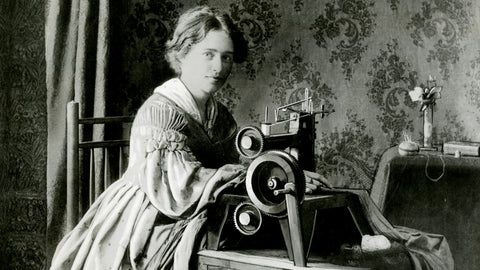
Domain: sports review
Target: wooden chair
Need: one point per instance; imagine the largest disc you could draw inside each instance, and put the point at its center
(83, 176)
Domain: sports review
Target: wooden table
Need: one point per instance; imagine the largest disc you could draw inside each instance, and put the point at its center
(253, 260)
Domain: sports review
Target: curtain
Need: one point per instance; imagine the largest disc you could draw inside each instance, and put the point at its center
(77, 40)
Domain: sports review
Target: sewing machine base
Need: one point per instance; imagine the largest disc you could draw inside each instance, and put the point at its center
(328, 221)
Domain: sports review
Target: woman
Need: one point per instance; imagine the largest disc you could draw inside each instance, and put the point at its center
(181, 156)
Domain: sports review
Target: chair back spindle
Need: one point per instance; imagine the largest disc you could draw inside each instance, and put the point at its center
(106, 160)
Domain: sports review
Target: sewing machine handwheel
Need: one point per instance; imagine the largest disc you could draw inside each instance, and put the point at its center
(250, 142)
(247, 218)
(266, 179)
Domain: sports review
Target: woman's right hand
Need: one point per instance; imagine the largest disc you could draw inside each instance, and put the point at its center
(314, 181)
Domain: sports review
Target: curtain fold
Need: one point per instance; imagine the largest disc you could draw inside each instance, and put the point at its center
(77, 50)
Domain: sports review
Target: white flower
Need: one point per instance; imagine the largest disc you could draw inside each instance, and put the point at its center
(416, 94)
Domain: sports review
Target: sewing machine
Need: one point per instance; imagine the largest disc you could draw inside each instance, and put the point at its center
(275, 203)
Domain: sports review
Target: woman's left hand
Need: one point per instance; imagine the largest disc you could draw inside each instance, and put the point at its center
(314, 182)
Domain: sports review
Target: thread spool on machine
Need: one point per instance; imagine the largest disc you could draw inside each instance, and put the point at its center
(275, 184)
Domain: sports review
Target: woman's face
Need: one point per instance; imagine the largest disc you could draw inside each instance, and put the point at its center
(206, 67)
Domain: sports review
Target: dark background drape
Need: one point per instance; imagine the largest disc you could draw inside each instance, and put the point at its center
(359, 57)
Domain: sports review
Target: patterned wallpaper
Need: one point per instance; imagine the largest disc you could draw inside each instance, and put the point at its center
(359, 57)
(23, 135)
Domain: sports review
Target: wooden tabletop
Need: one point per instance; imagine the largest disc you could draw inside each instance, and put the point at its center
(251, 260)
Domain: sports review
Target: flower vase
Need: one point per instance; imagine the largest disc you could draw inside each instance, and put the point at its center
(428, 127)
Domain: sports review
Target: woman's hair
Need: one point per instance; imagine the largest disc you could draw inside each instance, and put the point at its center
(194, 25)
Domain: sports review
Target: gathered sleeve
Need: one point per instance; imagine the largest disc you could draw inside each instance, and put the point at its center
(163, 166)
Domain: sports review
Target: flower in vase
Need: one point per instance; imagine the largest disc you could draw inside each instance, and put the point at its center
(426, 96)
(416, 94)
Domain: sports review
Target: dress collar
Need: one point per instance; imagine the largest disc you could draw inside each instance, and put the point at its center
(175, 90)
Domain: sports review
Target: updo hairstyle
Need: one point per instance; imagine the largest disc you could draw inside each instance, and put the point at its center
(193, 26)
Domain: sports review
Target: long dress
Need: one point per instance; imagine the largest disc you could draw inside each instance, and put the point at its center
(152, 216)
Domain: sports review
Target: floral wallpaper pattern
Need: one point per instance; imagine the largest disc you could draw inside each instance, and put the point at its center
(348, 154)
(347, 23)
(388, 88)
(443, 24)
(359, 58)
(143, 52)
(295, 73)
(259, 21)
(394, 4)
(473, 84)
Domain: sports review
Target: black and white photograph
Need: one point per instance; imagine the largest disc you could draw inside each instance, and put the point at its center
(240, 134)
